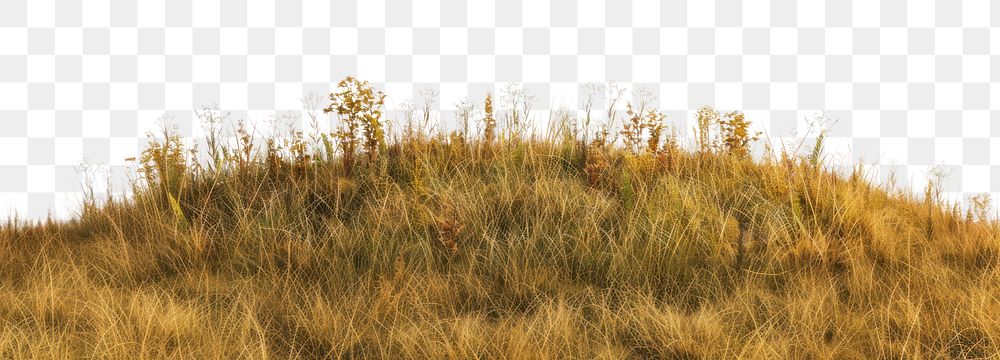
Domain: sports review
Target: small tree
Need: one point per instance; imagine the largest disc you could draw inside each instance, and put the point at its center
(360, 109)
(642, 125)
(654, 124)
(632, 129)
(736, 136)
(163, 162)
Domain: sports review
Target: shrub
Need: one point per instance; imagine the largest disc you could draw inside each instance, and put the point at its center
(641, 126)
(360, 109)
(654, 122)
(736, 136)
(632, 129)
(163, 163)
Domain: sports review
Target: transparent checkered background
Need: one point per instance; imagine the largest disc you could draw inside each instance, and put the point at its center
(909, 81)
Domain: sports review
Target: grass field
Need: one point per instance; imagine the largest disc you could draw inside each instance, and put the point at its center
(493, 242)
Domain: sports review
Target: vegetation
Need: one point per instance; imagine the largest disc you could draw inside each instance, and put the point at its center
(499, 244)
(360, 108)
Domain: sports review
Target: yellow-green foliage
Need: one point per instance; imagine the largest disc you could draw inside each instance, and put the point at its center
(534, 251)
(642, 126)
(736, 135)
(163, 162)
(360, 108)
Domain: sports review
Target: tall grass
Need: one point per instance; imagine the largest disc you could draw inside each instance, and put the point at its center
(499, 244)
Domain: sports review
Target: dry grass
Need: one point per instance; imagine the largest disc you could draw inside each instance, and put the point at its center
(436, 246)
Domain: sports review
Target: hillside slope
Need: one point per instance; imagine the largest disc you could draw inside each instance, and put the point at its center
(455, 247)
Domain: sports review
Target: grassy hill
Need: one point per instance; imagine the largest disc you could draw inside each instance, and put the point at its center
(499, 244)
